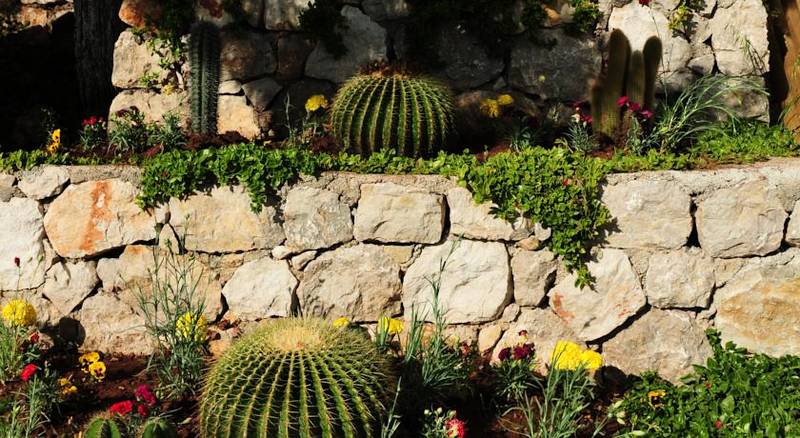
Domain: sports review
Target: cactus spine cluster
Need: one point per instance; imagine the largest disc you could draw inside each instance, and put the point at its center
(413, 116)
(627, 74)
(102, 427)
(204, 61)
(158, 427)
(297, 377)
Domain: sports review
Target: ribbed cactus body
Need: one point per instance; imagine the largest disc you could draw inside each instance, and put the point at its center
(158, 427)
(102, 427)
(204, 61)
(297, 378)
(413, 116)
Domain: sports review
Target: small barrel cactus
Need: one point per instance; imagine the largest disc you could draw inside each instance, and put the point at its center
(414, 116)
(102, 427)
(297, 377)
(158, 427)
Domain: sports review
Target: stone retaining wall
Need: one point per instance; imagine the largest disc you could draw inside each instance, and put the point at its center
(687, 251)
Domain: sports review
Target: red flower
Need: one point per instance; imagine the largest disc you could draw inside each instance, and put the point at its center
(504, 354)
(145, 395)
(522, 351)
(718, 424)
(143, 410)
(523, 333)
(644, 2)
(647, 114)
(122, 408)
(622, 101)
(34, 338)
(28, 371)
(566, 182)
(588, 119)
(16, 261)
(455, 428)
(634, 106)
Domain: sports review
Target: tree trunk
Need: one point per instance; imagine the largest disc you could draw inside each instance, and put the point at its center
(97, 27)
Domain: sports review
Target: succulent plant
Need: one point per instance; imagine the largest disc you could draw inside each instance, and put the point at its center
(627, 74)
(300, 378)
(412, 115)
(102, 426)
(159, 427)
(204, 61)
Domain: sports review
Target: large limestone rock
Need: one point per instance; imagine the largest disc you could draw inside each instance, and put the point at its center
(543, 328)
(534, 272)
(96, 216)
(21, 237)
(293, 50)
(361, 282)
(382, 10)
(246, 55)
(474, 221)
(112, 326)
(744, 220)
(68, 283)
(261, 92)
(793, 228)
(152, 104)
(43, 182)
(284, 14)
(315, 219)
(132, 61)
(648, 214)
(475, 285)
(669, 342)
(739, 37)
(140, 13)
(389, 212)
(466, 60)
(560, 71)
(260, 289)
(597, 311)
(223, 221)
(759, 309)
(680, 279)
(235, 115)
(6, 186)
(365, 41)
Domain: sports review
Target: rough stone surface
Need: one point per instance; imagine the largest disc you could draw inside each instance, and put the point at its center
(6, 186)
(534, 272)
(667, 341)
(315, 219)
(260, 289)
(293, 50)
(544, 329)
(284, 14)
(466, 60)
(365, 41)
(132, 61)
(246, 55)
(740, 40)
(474, 221)
(43, 182)
(488, 337)
(382, 10)
(21, 236)
(111, 326)
(67, 284)
(389, 212)
(360, 282)
(137, 13)
(759, 309)
(561, 71)
(741, 221)
(793, 228)
(615, 297)
(648, 214)
(152, 104)
(230, 87)
(474, 286)
(261, 92)
(680, 279)
(222, 221)
(93, 217)
(237, 116)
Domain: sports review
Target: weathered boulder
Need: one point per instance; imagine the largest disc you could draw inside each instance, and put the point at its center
(648, 214)
(261, 92)
(246, 55)
(793, 228)
(365, 41)
(112, 326)
(132, 61)
(597, 311)
(382, 10)
(741, 221)
(467, 62)
(6, 186)
(67, 284)
(92, 217)
(213, 11)
(293, 50)
(260, 289)
(488, 337)
(544, 329)
(739, 37)
(284, 14)
(235, 115)
(474, 221)
(223, 221)
(43, 182)
(534, 272)
(140, 13)
(360, 282)
(153, 105)
(680, 279)
(475, 285)
(389, 212)
(315, 219)
(668, 342)
(21, 238)
(253, 11)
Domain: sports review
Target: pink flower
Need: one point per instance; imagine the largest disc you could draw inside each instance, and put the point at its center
(522, 351)
(28, 371)
(644, 2)
(143, 410)
(16, 261)
(34, 338)
(523, 333)
(718, 424)
(566, 182)
(634, 106)
(622, 101)
(647, 114)
(587, 119)
(504, 354)
(455, 428)
(144, 394)
(122, 408)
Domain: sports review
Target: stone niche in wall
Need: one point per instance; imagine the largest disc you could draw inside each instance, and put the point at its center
(688, 251)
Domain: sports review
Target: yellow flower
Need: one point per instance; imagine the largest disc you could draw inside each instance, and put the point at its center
(98, 370)
(341, 322)
(654, 397)
(191, 326)
(591, 360)
(490, 108)
(66, 387)
(19, 313)
(316, 102)
(566, 355)
(505, 100)
(55, 141)
(89, 358)
(390, 325)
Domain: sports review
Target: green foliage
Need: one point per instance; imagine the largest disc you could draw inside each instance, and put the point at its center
(102, 426)
(159, 427)
(204, 61)
(298, 377)
(323, 20)
(413, 116)
(585, 15)
(16, 350)
(514, 374)
(735, 394)
(24, 160)
(24, 413)
(682, 15)
(129, 132)
(565, 394)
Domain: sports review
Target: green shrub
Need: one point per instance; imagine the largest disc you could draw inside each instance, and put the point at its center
(297, 377)
(413, 116)
(204, 61)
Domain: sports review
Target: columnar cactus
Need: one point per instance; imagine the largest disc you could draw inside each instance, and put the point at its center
(102, 427)
(158, 427)
(204, 61)
(414, 116)
(297, 378)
